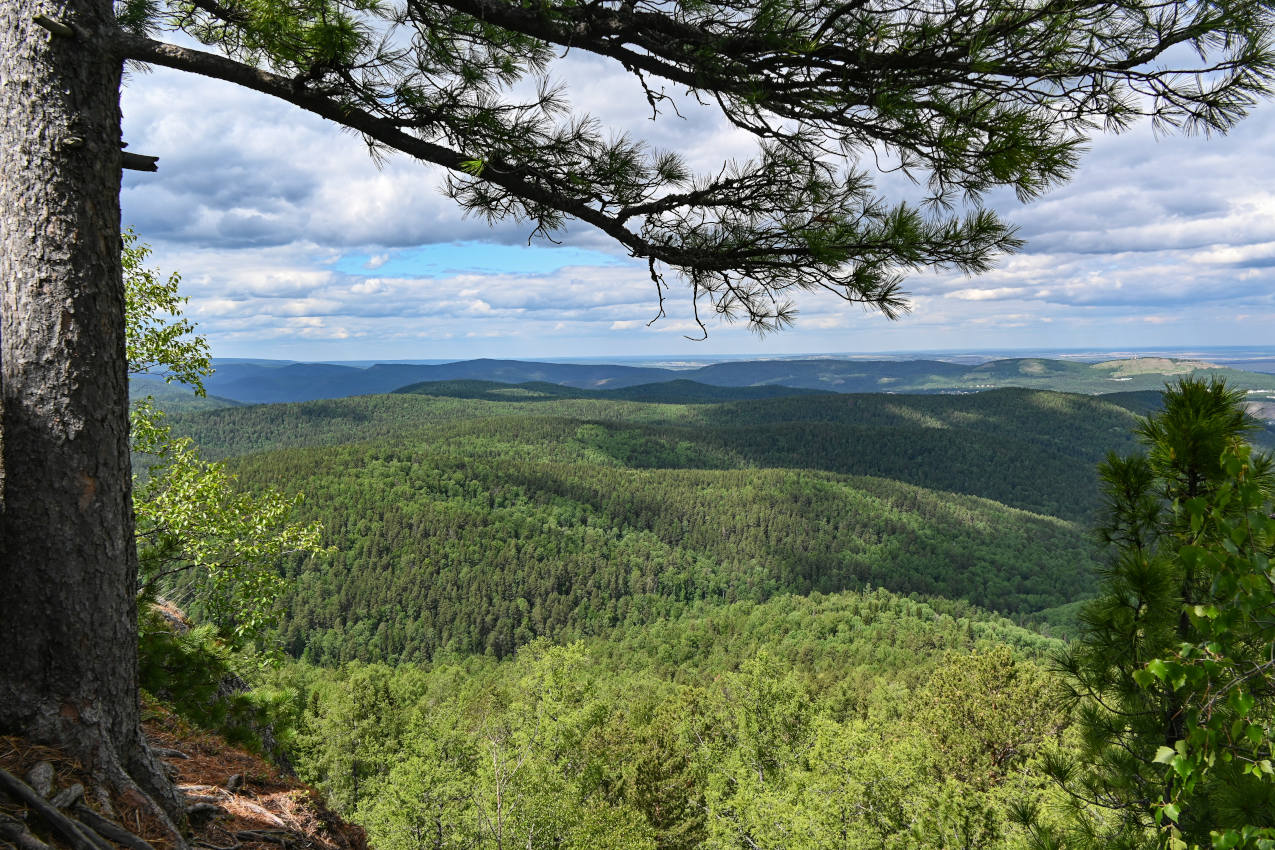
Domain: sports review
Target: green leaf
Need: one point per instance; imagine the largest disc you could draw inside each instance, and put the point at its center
(1208, 611)
(1156, 667)
(1241, 701)
(1225, 840)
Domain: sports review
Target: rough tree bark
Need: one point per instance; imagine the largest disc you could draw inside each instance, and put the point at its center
(68, 631)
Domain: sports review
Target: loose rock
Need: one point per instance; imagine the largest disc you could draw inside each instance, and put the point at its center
(40, 778)
(202, 813)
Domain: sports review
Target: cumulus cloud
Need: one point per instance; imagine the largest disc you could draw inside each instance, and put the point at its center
(291, 241)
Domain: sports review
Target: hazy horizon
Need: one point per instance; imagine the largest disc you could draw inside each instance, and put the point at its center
(1256, 358)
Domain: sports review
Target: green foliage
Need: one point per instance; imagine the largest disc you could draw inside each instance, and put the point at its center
(428, 797)
(826, 637)
(1223, 675)
(423, 762)
(159, 339)
(353, 732)
(201, 540)
(206, 544)
(990, 712)
(828, 722)
(1173, 672)
(197, 675)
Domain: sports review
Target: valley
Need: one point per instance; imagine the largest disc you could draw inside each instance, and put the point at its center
(522, 522)
(659, 615)
(460, 524)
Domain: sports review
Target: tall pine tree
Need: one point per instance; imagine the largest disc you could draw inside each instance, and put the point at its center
(1172, 674)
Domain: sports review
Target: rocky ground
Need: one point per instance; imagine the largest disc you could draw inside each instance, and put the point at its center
(235, 800)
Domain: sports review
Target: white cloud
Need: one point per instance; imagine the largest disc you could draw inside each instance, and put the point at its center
(825, 322)
(996, 294)
(261, 208)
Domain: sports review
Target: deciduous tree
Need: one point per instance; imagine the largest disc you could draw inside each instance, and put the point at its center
(198, 534)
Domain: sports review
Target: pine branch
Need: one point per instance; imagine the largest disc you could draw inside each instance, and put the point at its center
(740, 238)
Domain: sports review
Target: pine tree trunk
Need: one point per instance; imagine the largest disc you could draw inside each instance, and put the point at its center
(68, 627)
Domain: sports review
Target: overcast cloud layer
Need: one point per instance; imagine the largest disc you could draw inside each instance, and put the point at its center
(293, 244)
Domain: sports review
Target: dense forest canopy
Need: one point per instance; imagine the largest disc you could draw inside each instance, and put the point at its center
(850, 720)
(458, 524)
(734, 713)
(967, 444)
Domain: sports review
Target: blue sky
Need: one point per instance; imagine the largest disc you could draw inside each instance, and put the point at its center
(293, 243)
(447, 259)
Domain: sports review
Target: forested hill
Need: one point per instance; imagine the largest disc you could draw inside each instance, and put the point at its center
(460, 524)
(902, 723)
(253, 382)
(264, 382)
(1031, 450)
(480, 539)
(173, 397)
(664, 392)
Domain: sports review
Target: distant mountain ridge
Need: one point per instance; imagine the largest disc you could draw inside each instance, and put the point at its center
(665, 392)
(256, 383)
(312, 381)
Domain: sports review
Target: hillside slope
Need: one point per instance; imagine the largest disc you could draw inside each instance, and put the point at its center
(905, 723)
(239, 799)
(1032, 450)
(666, 392)
(467, 525)
(483, 535)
